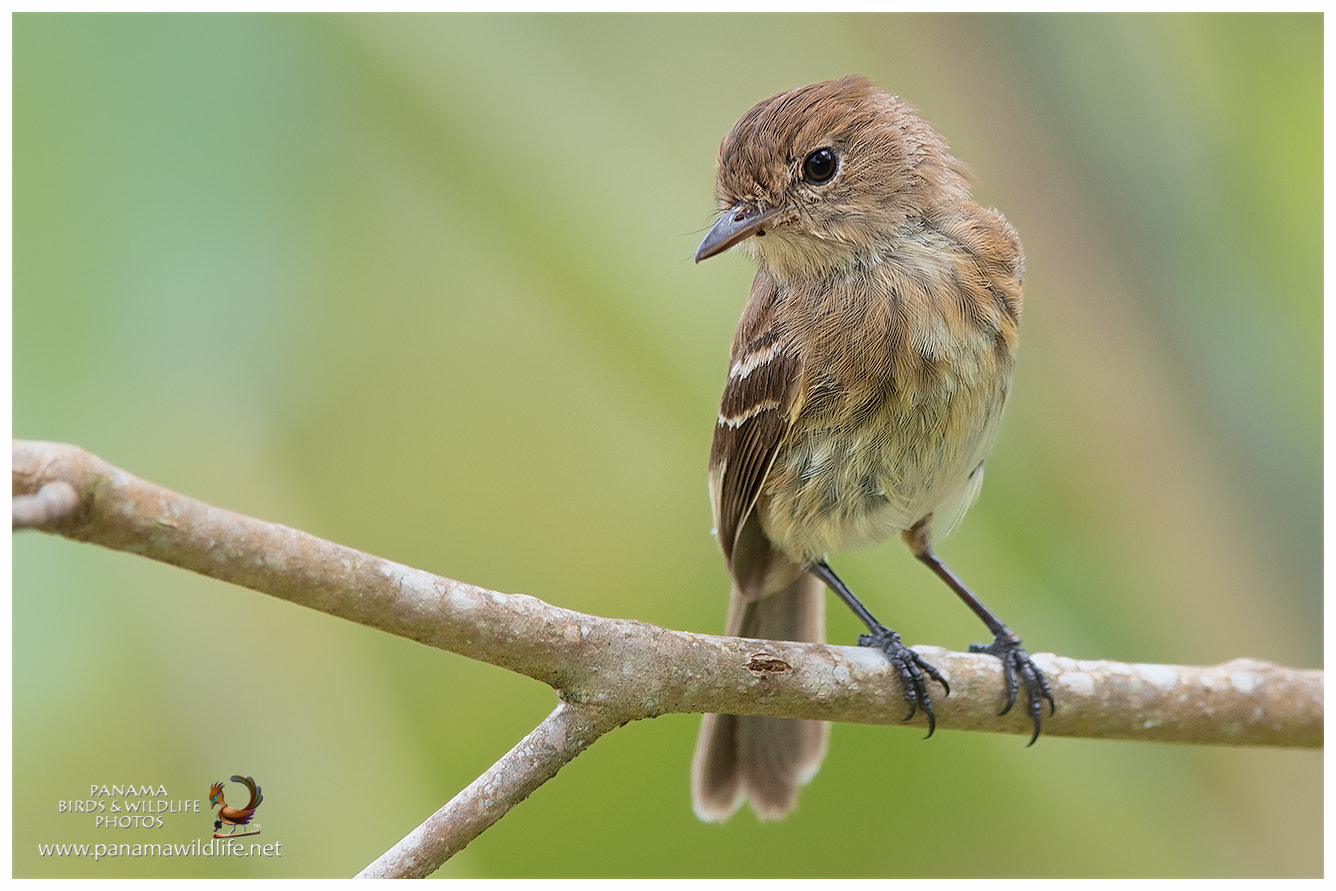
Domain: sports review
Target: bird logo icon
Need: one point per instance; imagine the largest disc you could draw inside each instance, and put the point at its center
(235, 816)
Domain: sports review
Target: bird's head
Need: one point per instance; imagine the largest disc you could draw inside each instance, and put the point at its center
(815, 178)
(215, 794)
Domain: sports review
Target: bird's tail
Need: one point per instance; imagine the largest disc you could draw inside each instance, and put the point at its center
(255, 795)
(762, 759)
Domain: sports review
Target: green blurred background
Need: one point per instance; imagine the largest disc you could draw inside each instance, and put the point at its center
(423, 285)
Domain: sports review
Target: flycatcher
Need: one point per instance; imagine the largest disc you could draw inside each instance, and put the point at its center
(867, 380)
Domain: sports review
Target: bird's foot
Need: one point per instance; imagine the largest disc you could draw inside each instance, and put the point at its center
(1019, 669)
(912, 670)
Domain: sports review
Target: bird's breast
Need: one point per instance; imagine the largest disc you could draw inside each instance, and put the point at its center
(902, 396)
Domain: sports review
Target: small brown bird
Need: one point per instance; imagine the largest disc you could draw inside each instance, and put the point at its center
(867, 381)
(234, 816)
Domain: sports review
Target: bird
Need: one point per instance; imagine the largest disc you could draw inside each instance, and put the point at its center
(233, 816)
(866, 382)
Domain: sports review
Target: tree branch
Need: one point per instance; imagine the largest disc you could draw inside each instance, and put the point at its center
(54, 501)
(611, 671)
(568, 731)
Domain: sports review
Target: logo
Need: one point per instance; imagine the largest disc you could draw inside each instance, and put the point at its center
(233, 817)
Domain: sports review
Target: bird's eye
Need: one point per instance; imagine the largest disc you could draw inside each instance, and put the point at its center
(819, 166)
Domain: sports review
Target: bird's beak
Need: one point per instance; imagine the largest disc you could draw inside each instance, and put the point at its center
(741, 221)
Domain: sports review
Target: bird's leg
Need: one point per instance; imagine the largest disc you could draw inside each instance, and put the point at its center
(911, 666)
(1006, 645)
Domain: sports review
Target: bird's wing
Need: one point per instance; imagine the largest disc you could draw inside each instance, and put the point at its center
(760, 400)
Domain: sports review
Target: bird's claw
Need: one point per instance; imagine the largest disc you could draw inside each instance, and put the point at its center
(912, 669)
(1016, 663)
